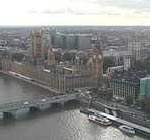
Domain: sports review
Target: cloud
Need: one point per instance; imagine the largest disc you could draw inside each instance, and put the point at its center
(59, 11)
(83, 12)
(32, 12)
(128, 4)
(79, 12)
(97, 7)
(72, 12)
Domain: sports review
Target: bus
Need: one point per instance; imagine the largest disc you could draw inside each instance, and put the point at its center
(113, 69)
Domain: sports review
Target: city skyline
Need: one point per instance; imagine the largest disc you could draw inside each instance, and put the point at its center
(75, 12)
(49, 76)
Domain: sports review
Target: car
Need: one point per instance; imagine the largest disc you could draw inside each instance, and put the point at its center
(113, 100)
(26, 102)
(132, 105)
(82, 94)
(43, 100)
(79, 90)
(148, 121)
(123, 103)
(139, 108)
(56, 97)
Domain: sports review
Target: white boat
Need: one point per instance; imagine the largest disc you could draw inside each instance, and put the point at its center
(24, 77)
(100, 120)
(126, 129)
(12, 73)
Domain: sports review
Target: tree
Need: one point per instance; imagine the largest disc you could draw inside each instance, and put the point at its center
(84, 60)
(142, 65)
(145, 104)
(18, 56)
(67, 56)
(129, 100)
(58, 57)
(108, 62)
(0, 66)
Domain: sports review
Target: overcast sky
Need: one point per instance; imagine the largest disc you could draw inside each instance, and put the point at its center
(74, 12)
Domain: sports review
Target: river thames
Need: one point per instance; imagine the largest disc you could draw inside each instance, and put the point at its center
(59, 124)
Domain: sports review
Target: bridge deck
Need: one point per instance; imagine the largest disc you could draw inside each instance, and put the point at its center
(113, 118)
(36, 102)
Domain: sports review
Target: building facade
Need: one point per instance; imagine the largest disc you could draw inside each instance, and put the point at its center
(128, 84)
(71, 41)
(144, 88)
(96, 64)
(138, 48)
(123, 89)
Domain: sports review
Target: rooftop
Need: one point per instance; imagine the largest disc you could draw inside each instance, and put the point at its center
(129, 76)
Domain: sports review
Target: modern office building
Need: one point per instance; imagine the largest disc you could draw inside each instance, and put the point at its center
(144, 88)
(127, 84)
(71, 41)
(84, 41)
(123, 89)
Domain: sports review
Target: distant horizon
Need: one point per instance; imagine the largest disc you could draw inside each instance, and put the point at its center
(75, 25)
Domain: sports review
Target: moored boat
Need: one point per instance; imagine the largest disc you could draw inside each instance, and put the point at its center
(127, 130)
(100, 120)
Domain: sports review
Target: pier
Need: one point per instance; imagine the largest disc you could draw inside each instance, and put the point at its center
(138, 128)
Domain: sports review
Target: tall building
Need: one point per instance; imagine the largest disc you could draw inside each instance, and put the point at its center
(145, 87)
(96, 61)
(70, 41)
(126, 62)
(123, 89)
(51, 57)
(137, 48)
(53, 35)
(5, 62)
(84, 41)
(129, 83)
(36, 40)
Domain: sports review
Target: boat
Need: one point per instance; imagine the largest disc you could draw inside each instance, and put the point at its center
(101, 120)
(127, 130)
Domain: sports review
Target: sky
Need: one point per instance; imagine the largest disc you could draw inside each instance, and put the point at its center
(74, 12)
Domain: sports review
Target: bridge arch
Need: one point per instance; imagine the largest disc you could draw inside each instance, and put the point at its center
(71, 102)
(56, 105)
(34, 109)
(8, 116)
